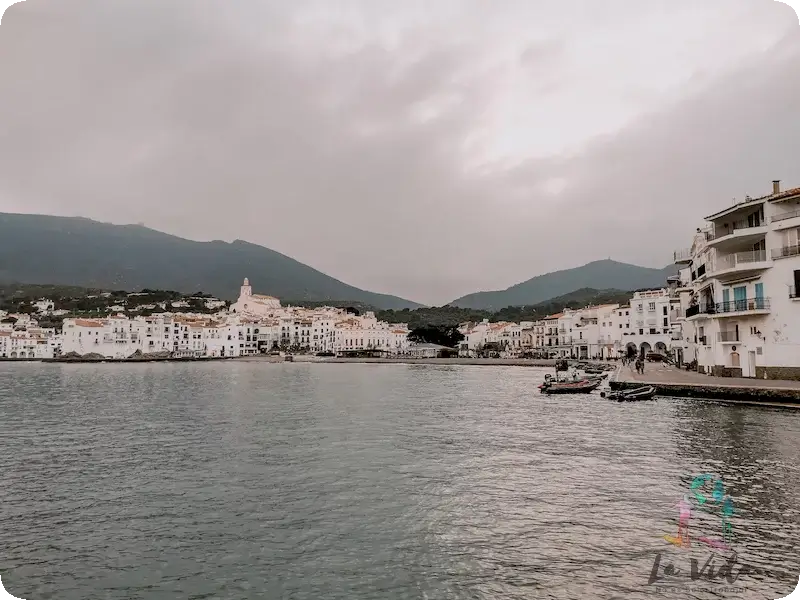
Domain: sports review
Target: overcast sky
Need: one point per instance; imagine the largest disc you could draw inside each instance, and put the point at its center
(424, 152)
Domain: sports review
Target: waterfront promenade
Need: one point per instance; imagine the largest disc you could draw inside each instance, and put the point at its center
(496, 362)
(670, 381)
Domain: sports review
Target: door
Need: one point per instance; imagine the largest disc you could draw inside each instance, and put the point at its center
(726, 300)
(751, 362)
(734, 359)
(740, 298)
(797, 282)
(759, 296)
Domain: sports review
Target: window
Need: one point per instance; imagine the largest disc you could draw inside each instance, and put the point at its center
(627, 325)
(652, 330)
(627, 313)
(666, 322)
(641, 332)
(651, 307)
(620, 325)
(665, 310)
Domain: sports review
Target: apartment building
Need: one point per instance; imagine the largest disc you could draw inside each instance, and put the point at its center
(739, 286)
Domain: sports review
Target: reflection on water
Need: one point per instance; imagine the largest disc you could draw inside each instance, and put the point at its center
(249, 480)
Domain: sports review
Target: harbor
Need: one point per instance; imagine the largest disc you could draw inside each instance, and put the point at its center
(671, 381)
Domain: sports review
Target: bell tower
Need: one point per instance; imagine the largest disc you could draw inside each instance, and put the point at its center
(247, 289)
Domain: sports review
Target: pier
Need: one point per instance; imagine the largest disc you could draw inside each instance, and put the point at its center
(671, 381)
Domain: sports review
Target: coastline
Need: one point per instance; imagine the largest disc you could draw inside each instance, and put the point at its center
(497, 362)
(299, 358)
(670, 381)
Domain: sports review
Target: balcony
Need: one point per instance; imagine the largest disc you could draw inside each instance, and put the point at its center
(741, 264)
(751, 306)
(793, 293)
(741, 307)
(682, 257)
(780, 218)
(738, 232)
(728, 337)
(785, 252)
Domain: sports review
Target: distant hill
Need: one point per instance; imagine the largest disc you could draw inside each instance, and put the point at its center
(581, 298)
(451, 316)
(75, 251)
(598, 275)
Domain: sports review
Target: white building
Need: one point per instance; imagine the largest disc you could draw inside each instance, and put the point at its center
(648, 326)
(254, 304)
(258, 324)
(502, 338)
(740, 287)
(29, 345)
(44, 306)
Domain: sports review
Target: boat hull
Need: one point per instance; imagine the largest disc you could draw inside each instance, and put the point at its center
(637, 395)
(580, 387)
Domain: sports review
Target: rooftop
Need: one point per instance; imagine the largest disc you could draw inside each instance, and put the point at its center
(88, 323)
(749, 202)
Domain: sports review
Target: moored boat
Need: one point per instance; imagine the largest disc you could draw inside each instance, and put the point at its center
(569, 387)
(646, 392)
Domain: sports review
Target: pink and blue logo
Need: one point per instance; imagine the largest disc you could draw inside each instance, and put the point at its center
(706, 495)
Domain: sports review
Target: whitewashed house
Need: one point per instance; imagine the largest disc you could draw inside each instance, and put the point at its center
(743, 270)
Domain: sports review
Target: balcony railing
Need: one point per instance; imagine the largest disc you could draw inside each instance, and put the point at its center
(784, 216)
(731, 261)
(683, 255)
(785, 252)
(728, 336)
(749, 304)
(734, 227)
(732, 306)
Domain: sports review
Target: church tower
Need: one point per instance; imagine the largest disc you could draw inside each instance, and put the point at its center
(247, 289)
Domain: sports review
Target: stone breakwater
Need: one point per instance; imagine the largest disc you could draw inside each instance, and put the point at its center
(753, 394)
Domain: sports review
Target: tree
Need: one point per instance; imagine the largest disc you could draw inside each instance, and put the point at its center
(441, 336)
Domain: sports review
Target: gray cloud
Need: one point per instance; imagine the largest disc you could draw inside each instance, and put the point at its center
(374, 156)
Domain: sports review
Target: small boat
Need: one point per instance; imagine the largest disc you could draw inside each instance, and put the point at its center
(596, 376)
(646, 392)
(569, 387)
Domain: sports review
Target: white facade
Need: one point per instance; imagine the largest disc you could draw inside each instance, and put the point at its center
(254, 304)
(259, 325)
(503, 338)
(44, 306)
(739, 289)
(28, 345)
(648, 326)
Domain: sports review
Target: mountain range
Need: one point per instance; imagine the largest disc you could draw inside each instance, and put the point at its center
(75, 251)
(81, 252)
(601, 275)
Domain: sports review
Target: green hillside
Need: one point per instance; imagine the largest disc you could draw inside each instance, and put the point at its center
(70, 251)
(599, 275)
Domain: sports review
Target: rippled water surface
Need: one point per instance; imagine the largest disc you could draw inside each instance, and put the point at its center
(251, 480)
